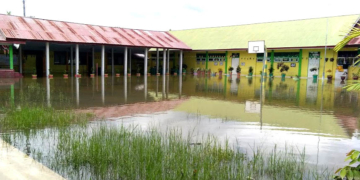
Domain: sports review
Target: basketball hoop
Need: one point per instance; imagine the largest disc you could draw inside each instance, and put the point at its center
(256, 49)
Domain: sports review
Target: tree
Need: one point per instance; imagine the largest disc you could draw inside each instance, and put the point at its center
(8, 12)
(354, 33)
(350, 172)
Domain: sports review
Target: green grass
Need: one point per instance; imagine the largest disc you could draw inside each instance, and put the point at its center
(38, 117)
(131, 153)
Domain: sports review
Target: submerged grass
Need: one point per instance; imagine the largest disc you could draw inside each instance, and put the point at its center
(130, 153)
(29, 113)
(26, 118)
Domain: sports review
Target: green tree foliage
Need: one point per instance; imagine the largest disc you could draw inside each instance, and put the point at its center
(350, 172)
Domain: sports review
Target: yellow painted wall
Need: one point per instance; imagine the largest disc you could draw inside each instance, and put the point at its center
(29, 64)
(250, 60)
(328, 65)
(351, 70)
(190, 60)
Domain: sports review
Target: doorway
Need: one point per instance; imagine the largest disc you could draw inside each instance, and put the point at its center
(314, 64)
(234, 64)
(39, 63)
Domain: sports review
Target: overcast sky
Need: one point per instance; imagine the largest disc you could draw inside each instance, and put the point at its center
(180, 14)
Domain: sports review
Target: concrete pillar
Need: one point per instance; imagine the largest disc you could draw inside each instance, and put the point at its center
(103, 89)
(72, 61)
(129, 60)
(167, 87)
(163, 87)
(47, 59)
(20, 59)
(125, 61)
(164, 61)
(102, 60)
(180, 62)
(146, 62)
(112, 62)
(93, 60)
(145, 87)
(180, 86)
(168, 61)
(125, 89)
(77, 60)
(77, 89)
(48, 92)
(157, 60)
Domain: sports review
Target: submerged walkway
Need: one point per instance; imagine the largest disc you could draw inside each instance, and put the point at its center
(15, 164)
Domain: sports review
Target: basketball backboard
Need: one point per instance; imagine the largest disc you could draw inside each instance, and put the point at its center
(256, 47)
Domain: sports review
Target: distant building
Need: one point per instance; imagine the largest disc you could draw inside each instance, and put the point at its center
(299, 44)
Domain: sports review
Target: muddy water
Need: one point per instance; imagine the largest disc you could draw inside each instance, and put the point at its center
(322, 117)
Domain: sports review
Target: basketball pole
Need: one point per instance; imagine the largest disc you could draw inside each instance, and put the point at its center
(262, 87)
(264, 64)
(252, 49)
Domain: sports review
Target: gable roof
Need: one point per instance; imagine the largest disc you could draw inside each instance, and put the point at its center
(287, 34)
(20, 28)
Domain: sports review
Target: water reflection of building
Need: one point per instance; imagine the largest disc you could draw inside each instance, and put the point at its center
(217, 97)
(337, 103)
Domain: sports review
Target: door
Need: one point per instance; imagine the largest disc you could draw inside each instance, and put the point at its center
(234, 64)
(314, 63)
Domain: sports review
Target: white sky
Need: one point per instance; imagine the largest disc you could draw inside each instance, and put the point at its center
(180, 14)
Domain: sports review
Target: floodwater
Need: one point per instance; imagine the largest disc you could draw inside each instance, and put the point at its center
(321, 117)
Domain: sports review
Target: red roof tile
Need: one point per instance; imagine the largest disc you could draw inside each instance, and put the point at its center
(20, 28)
(355, 41)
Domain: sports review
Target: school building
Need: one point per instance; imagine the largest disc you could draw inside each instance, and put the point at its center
(30, 45)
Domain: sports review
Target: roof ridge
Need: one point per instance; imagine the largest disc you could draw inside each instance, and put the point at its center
(81, 23)
(266, 22)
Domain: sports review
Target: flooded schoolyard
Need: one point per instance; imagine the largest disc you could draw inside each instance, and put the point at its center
(303, 117)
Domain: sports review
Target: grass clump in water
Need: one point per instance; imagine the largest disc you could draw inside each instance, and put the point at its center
(27, 118)
(130, 153)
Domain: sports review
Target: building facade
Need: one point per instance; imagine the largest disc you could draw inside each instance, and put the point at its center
(305, 46)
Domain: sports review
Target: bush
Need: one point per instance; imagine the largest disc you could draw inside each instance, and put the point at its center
(251, 69)
(238, 69)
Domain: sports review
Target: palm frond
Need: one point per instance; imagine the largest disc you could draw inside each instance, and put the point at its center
(354, 33)
(353, 87)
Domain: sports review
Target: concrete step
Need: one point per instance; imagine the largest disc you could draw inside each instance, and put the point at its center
(8, 73)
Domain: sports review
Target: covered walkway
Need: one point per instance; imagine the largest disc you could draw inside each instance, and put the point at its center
(77, 47)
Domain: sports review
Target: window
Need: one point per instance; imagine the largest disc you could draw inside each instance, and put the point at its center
(260, 57)
(235, 55)
(200, 57)
(217, 57)
(5, 60)
(346, 58)
(281, 57)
